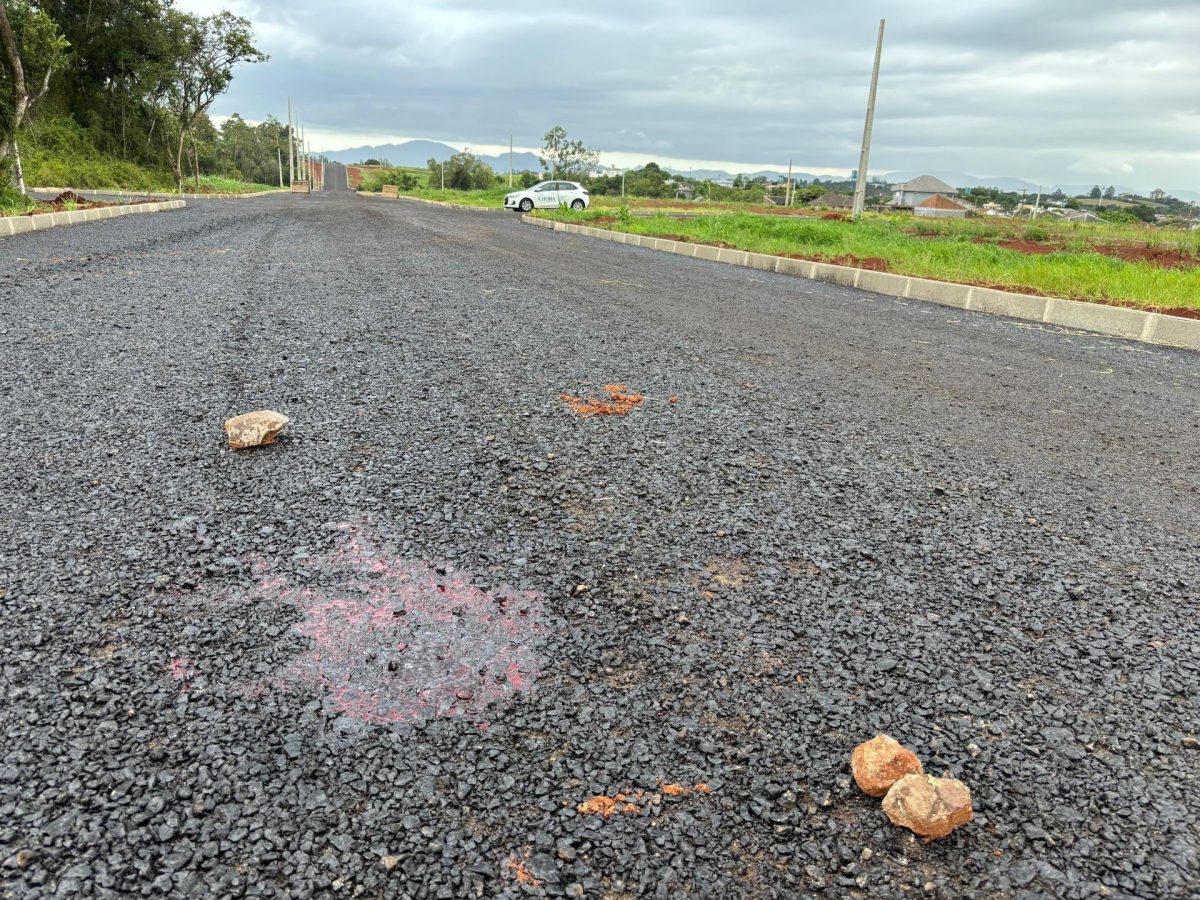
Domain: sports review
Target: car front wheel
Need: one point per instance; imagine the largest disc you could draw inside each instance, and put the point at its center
(526, 205)
(576, 204)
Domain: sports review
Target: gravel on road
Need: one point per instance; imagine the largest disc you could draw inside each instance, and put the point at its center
(448, 638)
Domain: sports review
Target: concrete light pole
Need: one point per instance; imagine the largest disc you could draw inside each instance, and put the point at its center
(860, 189)
(291, 147)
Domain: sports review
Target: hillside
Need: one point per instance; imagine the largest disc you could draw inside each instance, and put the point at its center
(418, 154)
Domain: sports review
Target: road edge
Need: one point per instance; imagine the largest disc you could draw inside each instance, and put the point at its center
(158, 195)
(1111, 321)
(11, 226)
(482, 209)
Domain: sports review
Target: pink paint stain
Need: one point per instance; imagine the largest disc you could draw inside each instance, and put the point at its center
(393, 640)
(179, 667)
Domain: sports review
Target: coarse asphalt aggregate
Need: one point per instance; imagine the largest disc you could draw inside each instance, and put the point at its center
(392, 654)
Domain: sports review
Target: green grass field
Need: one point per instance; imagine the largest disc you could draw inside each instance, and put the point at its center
(967, 251)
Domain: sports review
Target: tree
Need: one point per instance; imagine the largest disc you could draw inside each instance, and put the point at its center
(649, 181)
(565, 158)
(463, 172)
(1145, 212)
(1095, 193)
(207, 49)
(33, 51)
(1110, 192)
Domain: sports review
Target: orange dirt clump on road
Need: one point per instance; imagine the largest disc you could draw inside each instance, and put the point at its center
(601, 805)
(522, 874)
(675, 790)
(618, 403)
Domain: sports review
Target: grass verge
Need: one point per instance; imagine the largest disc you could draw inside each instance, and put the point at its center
(964, 251)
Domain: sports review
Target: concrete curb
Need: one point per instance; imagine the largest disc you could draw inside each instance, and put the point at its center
(1113, 321)
(158, 195)
(14, 225)
(479, 209)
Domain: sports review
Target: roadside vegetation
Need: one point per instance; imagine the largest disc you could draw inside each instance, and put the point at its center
(115, 94)
(1124, 264)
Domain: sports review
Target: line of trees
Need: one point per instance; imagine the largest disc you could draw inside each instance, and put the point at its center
(134, 78)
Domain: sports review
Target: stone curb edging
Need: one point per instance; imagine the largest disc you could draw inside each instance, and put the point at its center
(483, 209)
(1113, 321)
(171, 195)
(14, 225)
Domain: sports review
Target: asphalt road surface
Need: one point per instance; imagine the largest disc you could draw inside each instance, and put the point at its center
(395, 653)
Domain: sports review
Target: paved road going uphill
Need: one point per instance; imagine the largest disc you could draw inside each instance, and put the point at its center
(397, 652)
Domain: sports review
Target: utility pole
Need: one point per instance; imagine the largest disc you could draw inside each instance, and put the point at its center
(787, 189)
(443, 174)
(860, 189)
(510, 162)
(279, 155)
(291, 147)
(1036, 203)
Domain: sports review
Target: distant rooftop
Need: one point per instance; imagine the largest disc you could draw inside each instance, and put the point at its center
(927, 184)
(937, 201)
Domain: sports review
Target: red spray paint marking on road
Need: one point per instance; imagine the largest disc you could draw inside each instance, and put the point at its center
(394, 641)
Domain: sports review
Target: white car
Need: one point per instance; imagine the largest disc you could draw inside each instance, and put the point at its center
(549, 195)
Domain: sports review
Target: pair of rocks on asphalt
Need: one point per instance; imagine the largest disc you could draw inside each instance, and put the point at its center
(254, 429)
(931, 807)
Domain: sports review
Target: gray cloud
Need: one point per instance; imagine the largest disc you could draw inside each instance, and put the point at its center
(1070, 91)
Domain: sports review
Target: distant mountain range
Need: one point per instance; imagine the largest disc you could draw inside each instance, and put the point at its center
(418, 153)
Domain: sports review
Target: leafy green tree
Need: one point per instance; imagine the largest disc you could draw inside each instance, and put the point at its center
(463, 172)
(116, 79)
(1110, 192)
(33, 49)
(564, 158)
(1145, 212)
(206, 50)
(650, 181)
(1095, 193)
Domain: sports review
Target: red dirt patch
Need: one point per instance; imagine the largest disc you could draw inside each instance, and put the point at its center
(517, 869)
(1163, 257)
(603, 806)
(1033, 248)
(618, 403)
(63, 201)
(874, 263)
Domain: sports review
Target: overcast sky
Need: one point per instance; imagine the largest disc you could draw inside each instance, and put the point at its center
(1054, 91)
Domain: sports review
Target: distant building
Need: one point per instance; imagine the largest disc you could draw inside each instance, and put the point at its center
(1158, 194)
(914, 193)
(939, 206)
(833, 201)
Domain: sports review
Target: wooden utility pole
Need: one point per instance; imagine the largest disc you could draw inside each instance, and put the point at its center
(787, 188)
(510, 158)
(279, 156)
(860, 188)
